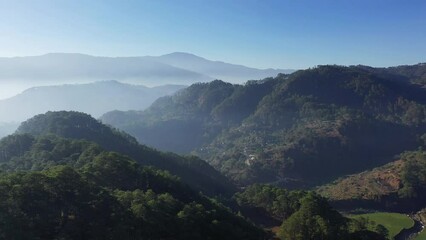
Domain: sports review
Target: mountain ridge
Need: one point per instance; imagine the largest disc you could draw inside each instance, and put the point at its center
(151, 70)
(94, 98)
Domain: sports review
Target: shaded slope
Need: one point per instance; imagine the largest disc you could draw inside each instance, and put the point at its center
(191, 170)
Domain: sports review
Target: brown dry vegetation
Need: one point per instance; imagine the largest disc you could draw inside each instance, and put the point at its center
(367, 185)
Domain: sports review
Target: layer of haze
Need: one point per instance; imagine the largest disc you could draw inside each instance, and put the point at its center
(262, 34)
(10, 89)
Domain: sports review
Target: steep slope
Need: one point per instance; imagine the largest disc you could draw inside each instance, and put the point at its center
(193, 171)
(93, 98)
(295, 130)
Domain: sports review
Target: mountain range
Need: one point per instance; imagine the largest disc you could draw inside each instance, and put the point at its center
(92, 98)
(67, 175)
(175, 68)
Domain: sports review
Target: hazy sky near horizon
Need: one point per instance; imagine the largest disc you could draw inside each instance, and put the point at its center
(257, 33)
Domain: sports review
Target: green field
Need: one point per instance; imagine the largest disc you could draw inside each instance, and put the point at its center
(394, 222)
(421, 236)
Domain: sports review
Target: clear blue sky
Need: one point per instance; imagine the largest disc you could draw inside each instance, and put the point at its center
(258, 33)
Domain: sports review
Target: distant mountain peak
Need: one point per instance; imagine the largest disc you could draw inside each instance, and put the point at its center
(110, 82)
(183, 55)
(63, 54)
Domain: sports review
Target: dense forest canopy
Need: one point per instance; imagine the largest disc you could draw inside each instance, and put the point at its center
(111, 197)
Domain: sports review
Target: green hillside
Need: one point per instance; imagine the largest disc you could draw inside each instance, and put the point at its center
(394, 222)
(192, 170)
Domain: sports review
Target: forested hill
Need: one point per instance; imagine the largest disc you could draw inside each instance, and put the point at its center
(74, 125)
(307, 127)
(57, 188)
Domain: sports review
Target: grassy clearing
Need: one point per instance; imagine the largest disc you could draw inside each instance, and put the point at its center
(394, 222)
(421, 236)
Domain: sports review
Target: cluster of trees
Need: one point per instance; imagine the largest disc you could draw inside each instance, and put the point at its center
(307, 215)
(278, 202)
(65, 203)
(314, 219)
(413, 175)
